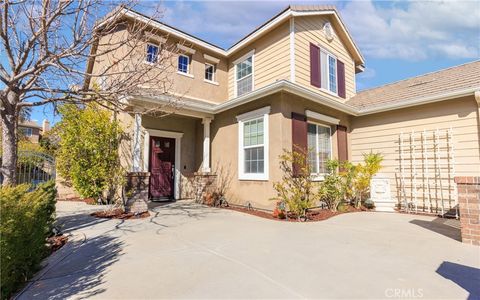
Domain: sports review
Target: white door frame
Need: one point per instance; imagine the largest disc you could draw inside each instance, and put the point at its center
(146, 154)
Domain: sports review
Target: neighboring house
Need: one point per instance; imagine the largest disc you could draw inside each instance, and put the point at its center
(30, 130)
(292, 82)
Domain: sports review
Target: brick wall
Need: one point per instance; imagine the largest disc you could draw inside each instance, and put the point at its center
(469, 205)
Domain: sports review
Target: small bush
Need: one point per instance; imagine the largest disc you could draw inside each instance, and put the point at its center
(297, 189)
(26, 220)
(332, 189)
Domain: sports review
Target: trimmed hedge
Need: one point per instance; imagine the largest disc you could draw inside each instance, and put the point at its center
(26, 221)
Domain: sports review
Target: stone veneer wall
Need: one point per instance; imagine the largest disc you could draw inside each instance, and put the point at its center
(137, 192)
(469, 205)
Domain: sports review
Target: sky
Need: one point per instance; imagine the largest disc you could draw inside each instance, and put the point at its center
(399, 39)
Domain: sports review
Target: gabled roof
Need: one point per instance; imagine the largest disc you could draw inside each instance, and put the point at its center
(27, 123)
(447, 84)
(450, 80)
(287, 13)
(299, 11)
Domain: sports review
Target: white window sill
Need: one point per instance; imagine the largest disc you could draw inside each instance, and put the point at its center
(185, 74)
(318, 177)
(253, 177)
(149, 63)
(211, 82)
(329, 92)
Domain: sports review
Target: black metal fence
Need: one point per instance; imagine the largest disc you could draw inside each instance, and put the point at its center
(34, 168)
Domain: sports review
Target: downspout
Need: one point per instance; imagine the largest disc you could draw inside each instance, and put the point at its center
(477, 99)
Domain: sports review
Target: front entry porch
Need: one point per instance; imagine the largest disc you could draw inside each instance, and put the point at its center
(171, 149)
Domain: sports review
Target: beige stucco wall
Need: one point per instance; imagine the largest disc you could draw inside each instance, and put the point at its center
(310, 30)
(271, 58)
(172, 82)
(191, 144)
(380, 133)
(225, 144)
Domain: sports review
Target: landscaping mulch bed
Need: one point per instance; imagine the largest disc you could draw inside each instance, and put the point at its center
(119, 213)
(56, 242)
(89, 201)
(313, 215)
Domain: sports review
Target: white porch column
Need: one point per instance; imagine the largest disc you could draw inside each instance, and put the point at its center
(206, 144)
(146, 151)
(136, 150)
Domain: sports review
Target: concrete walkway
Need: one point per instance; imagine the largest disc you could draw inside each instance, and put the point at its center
(190, 251)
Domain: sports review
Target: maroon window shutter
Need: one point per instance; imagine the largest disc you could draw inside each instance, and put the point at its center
(342, 143)
(299, 137)
(341, 79)
(314, 65)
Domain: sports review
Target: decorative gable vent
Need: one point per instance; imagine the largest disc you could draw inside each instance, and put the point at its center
(328, 31)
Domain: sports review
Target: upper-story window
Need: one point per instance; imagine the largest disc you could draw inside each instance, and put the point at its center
(27, 131)
(210, 72)
(152, 53)
(332, 74)
(328, 71)
(183, 64)
(244, 76)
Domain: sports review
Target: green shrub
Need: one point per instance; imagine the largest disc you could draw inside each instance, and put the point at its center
(297, 189)
(332, 190)
(88, 150)
(26, 220)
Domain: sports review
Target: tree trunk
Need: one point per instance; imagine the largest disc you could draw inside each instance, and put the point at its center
(9, 116)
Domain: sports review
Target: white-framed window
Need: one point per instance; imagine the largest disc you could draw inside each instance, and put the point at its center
(152, 53)
(319, 142)
(328, 71)
(27, 131)
(253, 145)
(210, 72)
(183, 64)
(244, 73)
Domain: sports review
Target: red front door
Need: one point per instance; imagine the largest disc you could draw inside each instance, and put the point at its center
(162, 162)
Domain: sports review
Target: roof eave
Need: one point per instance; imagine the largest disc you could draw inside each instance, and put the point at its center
(420, 101)
(287, 14)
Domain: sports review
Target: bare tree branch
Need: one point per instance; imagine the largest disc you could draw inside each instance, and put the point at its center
(58, 52)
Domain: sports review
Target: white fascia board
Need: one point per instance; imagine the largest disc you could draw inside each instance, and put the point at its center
(176, 33)
(419, 101)
(321, 117)
(289, 87)
(284, 85)
(262, 30)
(205, 110)
(320, 99)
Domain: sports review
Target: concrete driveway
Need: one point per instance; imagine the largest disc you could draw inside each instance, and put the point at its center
(189, 251)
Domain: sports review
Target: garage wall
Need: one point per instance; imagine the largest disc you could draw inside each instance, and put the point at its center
(380, 133)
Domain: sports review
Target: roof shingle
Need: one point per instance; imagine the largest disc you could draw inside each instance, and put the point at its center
(447, 80)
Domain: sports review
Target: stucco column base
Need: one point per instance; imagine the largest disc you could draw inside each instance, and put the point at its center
(136, 192)
(203, 185)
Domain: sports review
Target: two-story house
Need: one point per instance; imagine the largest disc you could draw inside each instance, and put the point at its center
(290, 82)
(31, 131)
